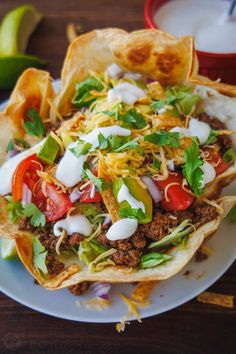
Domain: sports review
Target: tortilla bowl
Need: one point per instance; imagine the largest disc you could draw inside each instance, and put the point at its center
(158, 56)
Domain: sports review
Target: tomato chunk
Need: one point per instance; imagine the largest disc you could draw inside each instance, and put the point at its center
(216, 160)
(25, 172)
(54, 203)
(88, 196)
(174, 197)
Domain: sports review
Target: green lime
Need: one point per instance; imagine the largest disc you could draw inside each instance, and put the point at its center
(16, 28)
(11, 68)
(8, 248)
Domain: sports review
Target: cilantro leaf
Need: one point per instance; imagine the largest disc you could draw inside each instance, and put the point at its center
(180, 98)
(212, 137)
(34, 126)
(132, 144)
(81, 148)
(103, 143)
(163, 138)
(133, 119)
(39, 255)
(191, 169)
(37, 218)
(229, 156)
(14, 210)
(127, 212)
(156, 165)
(232, 215)
(83, 97)
(99, 183)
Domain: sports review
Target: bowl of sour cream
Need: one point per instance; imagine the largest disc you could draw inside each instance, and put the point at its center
(207, 21)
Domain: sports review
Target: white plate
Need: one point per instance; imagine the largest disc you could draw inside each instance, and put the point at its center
(16, 282)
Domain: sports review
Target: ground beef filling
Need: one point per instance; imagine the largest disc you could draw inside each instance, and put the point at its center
(224, 141)
(130, 251)
(79, 289)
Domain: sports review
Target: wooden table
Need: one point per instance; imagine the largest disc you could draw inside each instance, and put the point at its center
(191, 328)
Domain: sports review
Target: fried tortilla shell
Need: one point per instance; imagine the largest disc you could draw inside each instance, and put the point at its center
(157, 55)
(76, 273)
(32, 90)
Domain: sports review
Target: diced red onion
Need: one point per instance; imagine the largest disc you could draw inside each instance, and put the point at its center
(12, 153)
(106, 221)
(152, 188)
(92, 192)
(149, 80)
(170, 165)
(26, 195)
(75, 195)
(101, 289)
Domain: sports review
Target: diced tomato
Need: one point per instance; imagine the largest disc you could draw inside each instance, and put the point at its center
(54, 203)
(216, 160)
(177, 197)
(26, 172)
(86, 196)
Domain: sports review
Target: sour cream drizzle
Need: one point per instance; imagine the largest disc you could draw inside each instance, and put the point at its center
(71, 224)
(122, 229)
(124, 195)
(125, 92)
(8, 168)
(70, 168)
(196, 128)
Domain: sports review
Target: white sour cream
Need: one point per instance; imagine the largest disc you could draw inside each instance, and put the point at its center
(209, 173)
(122, 229)
(201, 18)
(124, 195)
(8, 168)
(71, 224)
(196, 128)
(199, 129)
(125, 92)
(70, 168)
(114, 71)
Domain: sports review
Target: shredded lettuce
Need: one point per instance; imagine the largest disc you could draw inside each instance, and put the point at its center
(175, 237)
(14, 210)
(153, 259)
(39, 255)
(229, 156)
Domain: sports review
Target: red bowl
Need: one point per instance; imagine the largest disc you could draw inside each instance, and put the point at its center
(213, 65)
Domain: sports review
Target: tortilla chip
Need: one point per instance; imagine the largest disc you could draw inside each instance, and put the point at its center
(158, 55)
(225, 89)
(143, 290)
(208, 297)
(32, 89)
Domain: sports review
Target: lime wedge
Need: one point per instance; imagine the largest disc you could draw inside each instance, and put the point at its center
(8, 248)
(11, 68)
(16, 28)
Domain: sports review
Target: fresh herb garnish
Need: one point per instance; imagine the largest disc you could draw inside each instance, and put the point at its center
(39, 255)
(192, 167)
(132, 118)
(156, 165)
(14, 210)
(232, 215)
(37, 218)
(83, 97)
(103, 142)
(99, 183)
(229, 156)
(81, 148)
(127, 212)
(153, 259)
(163, 138)
(34, 126)
(17, 141)
(132, 144)
(212, 137)
(180, 98)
